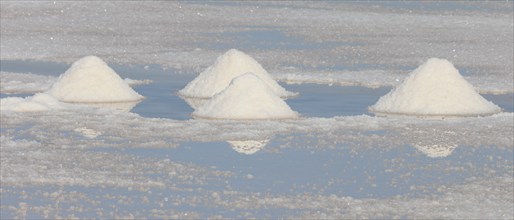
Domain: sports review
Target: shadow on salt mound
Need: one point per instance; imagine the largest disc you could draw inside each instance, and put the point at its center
(436, 150)
(434, 90)
(36, 103)
(91, 80)
(246, 98)
(227, 67)
(248, 147)
(195, 103)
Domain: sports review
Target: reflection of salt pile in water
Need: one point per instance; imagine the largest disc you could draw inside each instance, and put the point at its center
(38, 102)
(436, 150)
(247, 97)
(434, 89)
(248, 147)
(228, 66)
(91, 80)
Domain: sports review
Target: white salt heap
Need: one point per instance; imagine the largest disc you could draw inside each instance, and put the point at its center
(436, 88)
(91, 80)
(228, 66)
(247, 97)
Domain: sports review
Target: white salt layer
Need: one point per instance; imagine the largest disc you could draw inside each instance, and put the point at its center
(38, 102)
(436, 88)
(247, 97)
(90, 79)
(228, 66)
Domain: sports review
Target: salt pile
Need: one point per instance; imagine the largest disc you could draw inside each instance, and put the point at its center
(228, 66)
(247, 97)
(248, 147)
(89, 80)
(436, 88)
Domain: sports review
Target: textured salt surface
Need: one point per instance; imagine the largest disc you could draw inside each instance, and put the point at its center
(23, 83)
(197, 183)
(36, 103)
(475, 36)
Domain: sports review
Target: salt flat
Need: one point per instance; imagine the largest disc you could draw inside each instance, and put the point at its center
(336, 161)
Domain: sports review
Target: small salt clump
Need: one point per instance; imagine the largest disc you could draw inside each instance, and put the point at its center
(228, 66)
(436, 150)
(91, 80)
(248, 147)
(436, 88)
(247, 97)
(36, 103)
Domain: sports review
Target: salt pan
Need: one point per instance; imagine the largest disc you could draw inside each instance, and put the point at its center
(90, 79)
(436, 88)
(228, 66)
(247, 97)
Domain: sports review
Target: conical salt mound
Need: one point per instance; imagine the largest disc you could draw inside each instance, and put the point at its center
(228, 66)
(90, 79)
(435, 88)
(247, 97)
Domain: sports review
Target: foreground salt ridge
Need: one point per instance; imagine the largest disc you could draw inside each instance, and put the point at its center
(36, 103)
(246, 97)
(43, 102)
(44, 145)
(108, 166)
(16, 83)
(91, 80)
(436, 88)
(227, 67)
(11, 83)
